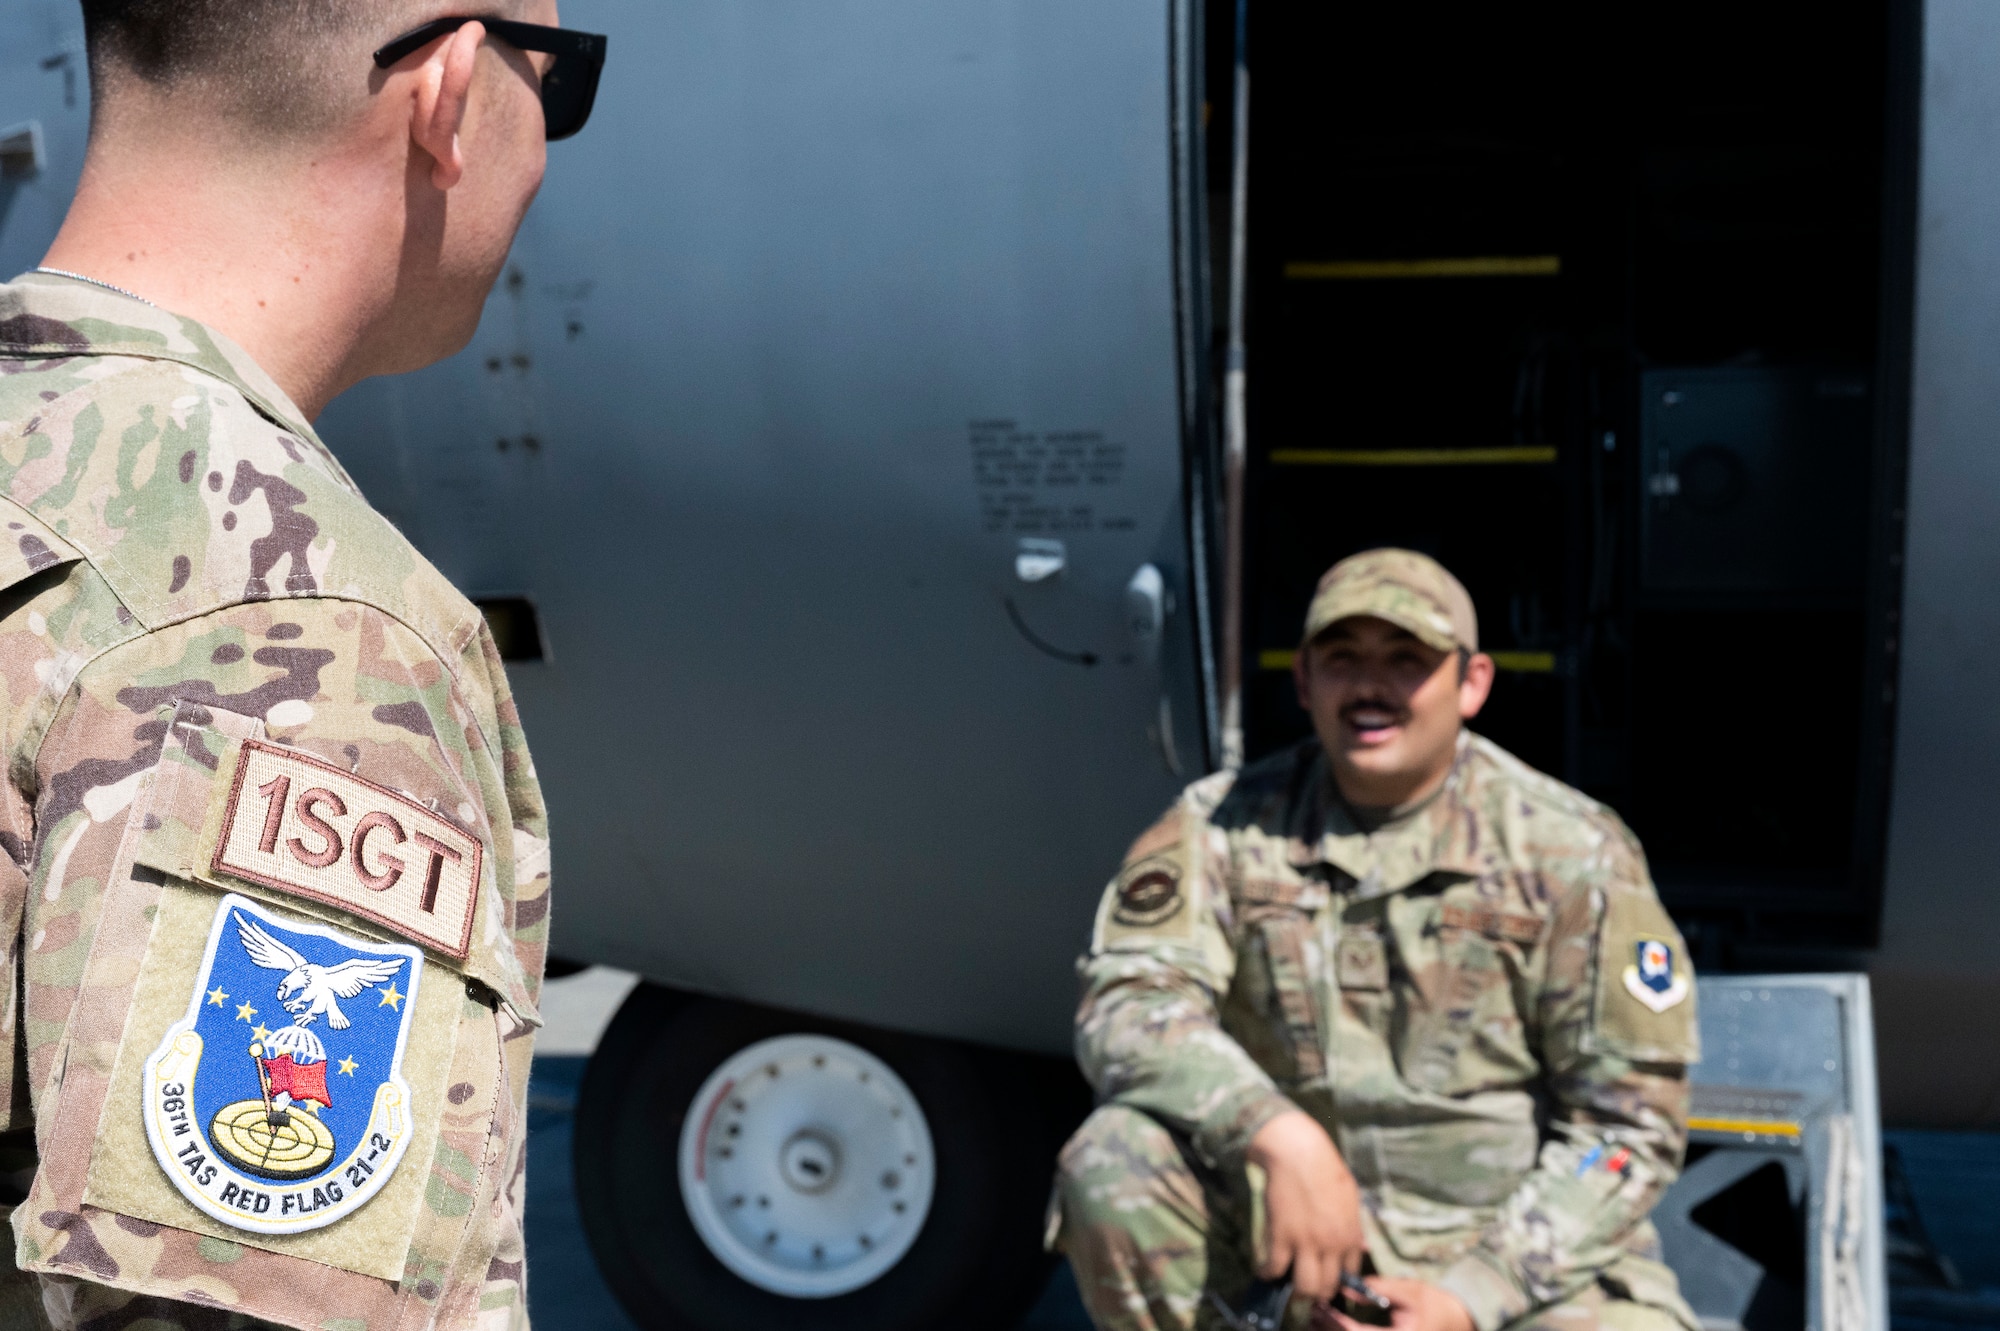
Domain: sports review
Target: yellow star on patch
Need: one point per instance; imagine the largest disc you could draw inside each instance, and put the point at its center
(390, 998)
(215, 996)
(262, 1031)
(347, 1066)
(244, 1012)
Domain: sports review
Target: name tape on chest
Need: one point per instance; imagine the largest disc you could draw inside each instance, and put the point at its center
(1493, 922)
(307, 828)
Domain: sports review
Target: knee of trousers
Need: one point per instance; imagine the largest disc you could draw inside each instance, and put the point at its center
(1592, 1312)
(1122, 1170)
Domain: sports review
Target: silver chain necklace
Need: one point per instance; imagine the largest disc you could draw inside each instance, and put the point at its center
(79, 277)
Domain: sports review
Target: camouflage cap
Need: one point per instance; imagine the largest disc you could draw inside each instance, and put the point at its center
(1409, 590)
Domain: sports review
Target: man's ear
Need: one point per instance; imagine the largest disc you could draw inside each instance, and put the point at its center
(444, 85)
(1476, 684)
(1301, 668)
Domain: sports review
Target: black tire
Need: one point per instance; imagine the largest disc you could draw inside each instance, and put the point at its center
(977, 1263)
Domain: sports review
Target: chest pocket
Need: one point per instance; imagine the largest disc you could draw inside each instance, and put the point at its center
(1470, 962)
(1282, 931)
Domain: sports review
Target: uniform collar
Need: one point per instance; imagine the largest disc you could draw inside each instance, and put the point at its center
(1438, 836)
(42, 314)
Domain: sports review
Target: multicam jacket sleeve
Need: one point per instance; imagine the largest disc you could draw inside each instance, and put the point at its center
(1616, 1072)
(344, 683)
(1149, 1032)
(185, 568)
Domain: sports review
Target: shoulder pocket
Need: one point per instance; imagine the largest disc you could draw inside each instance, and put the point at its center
(1643, 1004)
(255, 1077)
(1157, 895)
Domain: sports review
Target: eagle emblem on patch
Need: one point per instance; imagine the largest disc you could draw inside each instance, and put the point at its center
(1149, 893)
(277, 1104)
(1652, 978)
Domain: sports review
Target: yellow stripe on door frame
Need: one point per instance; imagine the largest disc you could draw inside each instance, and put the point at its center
(1377, 270)
(1525, 663)
(1528, 454)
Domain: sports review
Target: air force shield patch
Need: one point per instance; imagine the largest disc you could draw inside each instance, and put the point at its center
(277, 1103)
(1652, 979)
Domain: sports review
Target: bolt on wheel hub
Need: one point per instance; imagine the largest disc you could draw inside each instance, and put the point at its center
(810, 1161)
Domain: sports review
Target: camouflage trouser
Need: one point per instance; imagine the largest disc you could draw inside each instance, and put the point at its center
(1150, 1232)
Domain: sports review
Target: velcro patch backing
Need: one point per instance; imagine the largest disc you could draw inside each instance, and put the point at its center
(1661, 1026)
(305, 827)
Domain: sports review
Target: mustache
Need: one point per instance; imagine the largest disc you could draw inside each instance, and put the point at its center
(1375, 704)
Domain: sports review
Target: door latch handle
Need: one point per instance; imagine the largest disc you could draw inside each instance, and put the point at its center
(1037, 560)
(1146, 610)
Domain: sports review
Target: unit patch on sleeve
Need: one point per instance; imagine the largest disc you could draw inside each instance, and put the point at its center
(277, 1104)
(303, 826)
(1652, 978)
(1149, 893)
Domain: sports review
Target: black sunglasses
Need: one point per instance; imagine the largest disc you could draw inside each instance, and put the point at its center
(568, 89)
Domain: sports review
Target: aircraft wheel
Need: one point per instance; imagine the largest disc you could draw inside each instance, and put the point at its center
(740, 1167)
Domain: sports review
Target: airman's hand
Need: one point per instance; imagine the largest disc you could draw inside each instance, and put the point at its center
(1419, 1307)
(1312, 1208)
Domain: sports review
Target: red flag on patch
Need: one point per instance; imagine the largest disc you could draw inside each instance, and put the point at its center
(306, 1081)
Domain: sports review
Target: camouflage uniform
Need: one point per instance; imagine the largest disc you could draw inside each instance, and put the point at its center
(186, 573)
(1451, 992)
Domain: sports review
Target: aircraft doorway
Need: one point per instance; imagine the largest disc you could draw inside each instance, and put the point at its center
(1588, 303)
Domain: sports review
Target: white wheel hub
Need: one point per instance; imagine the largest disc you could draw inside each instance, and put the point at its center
(806, 1166)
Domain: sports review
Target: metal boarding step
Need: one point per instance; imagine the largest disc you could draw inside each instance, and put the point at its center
(1776, 1223)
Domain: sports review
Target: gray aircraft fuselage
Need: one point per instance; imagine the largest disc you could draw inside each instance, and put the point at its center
(839, 329)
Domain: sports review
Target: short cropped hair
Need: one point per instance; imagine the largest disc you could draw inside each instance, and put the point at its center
(282, 67)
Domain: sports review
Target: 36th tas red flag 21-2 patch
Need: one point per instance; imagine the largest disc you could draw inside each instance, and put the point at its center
(277, 1104)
